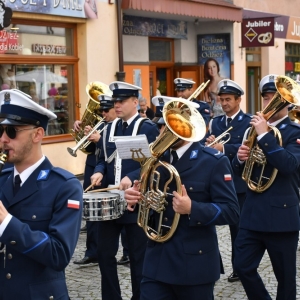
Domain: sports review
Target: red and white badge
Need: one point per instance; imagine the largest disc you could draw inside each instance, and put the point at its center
(227, 177)
(73, 204)
(298, 141)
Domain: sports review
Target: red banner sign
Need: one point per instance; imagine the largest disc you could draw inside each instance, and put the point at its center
(258, 32)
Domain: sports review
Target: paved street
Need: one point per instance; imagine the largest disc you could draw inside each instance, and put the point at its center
(84, 282)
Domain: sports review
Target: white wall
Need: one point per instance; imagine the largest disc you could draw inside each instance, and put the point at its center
(135, 48)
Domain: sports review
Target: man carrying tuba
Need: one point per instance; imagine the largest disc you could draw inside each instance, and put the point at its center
(187, 265)
(270, 217)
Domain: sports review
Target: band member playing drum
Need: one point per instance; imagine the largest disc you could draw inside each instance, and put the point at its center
(40, 207)
(270, 216)
(122, 173)
(235, 122)
(187, 265)
(108, 113)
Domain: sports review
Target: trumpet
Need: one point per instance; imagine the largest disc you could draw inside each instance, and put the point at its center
(198, 91)
(219, 138)
(84, 142)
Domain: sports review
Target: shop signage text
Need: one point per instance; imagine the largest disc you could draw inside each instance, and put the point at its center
(70, 8)
(154, 27)
(215, 46)
(48, 49)
(258, 32)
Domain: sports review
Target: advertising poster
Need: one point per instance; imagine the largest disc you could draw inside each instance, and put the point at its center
(217, 47)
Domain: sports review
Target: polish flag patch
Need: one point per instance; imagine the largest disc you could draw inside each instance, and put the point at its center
(227, 177)
(206, 110)
(73, 204)
(298, 141)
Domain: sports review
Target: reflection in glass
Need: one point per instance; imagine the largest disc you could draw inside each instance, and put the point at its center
(48, 85)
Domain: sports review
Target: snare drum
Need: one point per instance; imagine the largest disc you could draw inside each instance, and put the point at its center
(102, 206)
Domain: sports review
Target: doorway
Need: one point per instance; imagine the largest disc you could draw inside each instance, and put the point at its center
(254, 102)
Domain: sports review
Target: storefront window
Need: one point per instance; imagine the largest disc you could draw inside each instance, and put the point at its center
(31, 61)
(36, 40)
(292, 61)
(160, 50)
(48, 86)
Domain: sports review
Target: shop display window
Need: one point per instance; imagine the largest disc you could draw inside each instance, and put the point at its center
(40, 61)
(292, 61)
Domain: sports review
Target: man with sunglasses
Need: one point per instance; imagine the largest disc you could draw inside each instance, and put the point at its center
(108, 113)
(121, 173)
(40, 207)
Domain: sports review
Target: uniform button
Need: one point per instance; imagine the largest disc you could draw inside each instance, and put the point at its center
(284, 205)
(266, 144)
(230, 154)
(51, 298)
(9, 256)
(166, 219)
(200, 251)
(239, 136)
(168, 188)
(199, 223)
(33, 217)
(191, 188)
(13, 242)
(8, 276)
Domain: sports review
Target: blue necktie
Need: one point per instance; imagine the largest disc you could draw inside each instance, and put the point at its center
(124, 126)
(175, 157)
(17, 184)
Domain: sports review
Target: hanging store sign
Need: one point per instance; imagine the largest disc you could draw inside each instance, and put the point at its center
(258, 32)
(215, 47)
(154, 27)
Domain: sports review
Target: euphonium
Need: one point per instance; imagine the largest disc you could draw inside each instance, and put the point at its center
(288, 92)
(294, 114)
(91, 116)
(183, 121)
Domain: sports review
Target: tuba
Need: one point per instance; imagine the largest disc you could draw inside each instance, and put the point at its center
(288, 92)
(183, 121)
(91, 116)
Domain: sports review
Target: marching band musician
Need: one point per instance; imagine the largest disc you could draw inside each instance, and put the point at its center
(188, 264)
(184, 89)
(122, 173)
(230, 94)
(40, 207)
(108, 112)
(270, 218)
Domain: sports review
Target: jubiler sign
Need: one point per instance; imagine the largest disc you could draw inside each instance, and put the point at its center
(258, 32)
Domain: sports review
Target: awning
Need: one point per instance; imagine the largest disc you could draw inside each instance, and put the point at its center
(211, 9)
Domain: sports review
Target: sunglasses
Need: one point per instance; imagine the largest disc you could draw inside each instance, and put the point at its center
(104, 110)
(11, 131)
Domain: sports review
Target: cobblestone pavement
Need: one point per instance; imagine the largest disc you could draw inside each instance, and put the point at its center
(84, 281)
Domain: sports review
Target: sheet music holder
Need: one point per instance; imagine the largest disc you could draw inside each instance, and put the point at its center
(133, 147)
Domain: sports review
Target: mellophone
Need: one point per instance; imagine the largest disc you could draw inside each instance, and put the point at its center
(102, 206)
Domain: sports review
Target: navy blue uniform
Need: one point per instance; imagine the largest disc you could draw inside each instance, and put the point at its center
(189, 263)
(239, 125)
(109, 231)
(270, 220)
(41, 237)
(204, 110)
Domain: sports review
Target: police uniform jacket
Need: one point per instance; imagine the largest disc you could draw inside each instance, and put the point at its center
(130, 167)
(240, 123)
(204, 110)
(191, 256)
(277, 208)
(41, 237)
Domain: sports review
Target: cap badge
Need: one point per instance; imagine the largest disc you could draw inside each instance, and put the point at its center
(271, 78)
(7, 98)
(116, 85)
(225, 83)
(161, 101)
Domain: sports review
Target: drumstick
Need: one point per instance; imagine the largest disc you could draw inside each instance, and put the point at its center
(89, 187)
(106, 189)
